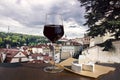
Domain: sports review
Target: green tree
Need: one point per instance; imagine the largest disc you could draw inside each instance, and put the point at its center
(102, 16)
(1, 41)
(15, 39)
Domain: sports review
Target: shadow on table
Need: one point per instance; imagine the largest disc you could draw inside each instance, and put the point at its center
(34, 65)
(10, 65)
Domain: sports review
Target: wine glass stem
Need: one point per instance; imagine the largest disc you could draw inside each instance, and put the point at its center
(53, 56)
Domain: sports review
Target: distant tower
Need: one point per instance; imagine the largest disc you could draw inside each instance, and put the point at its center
(8, 44)
(8, 29)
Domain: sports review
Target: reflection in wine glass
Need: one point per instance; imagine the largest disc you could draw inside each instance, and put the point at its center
(53, 30)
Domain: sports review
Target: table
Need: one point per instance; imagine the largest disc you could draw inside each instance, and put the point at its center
(34, 71)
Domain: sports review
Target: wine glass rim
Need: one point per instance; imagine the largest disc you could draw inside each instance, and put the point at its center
(54, 14)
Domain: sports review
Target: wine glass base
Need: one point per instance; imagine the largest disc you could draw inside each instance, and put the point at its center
(53, 69)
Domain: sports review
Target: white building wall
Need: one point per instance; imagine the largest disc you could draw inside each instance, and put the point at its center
(67, 48)
(37, 50)
(40, 50)
(76, 49)
(92, 42)
(23, 59)
(14, 60)
(68, 51)
(34, 50)
(97, 55)
(19, 55)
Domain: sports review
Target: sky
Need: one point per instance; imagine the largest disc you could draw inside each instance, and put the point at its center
(28, 16)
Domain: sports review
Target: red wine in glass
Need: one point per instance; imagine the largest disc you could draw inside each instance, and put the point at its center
(53, 32)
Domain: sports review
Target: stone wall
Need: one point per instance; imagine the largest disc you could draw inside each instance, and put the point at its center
(96, 54)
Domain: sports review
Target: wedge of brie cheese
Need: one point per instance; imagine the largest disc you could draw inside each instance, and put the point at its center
(76, 67)
(88, 67)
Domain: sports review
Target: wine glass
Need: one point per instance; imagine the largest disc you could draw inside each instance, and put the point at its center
(53, 30)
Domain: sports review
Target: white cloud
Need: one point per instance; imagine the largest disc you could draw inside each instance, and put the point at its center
(73, 29)
(28, 16)
(7, 21)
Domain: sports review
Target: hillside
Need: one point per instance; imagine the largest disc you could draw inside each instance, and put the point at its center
(15, 39)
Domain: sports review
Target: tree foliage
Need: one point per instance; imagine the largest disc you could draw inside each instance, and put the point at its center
(102, 16)
(15, 39)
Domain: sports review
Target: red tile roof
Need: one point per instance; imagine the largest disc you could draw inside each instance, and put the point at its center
(45, 58)
(11, 53)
